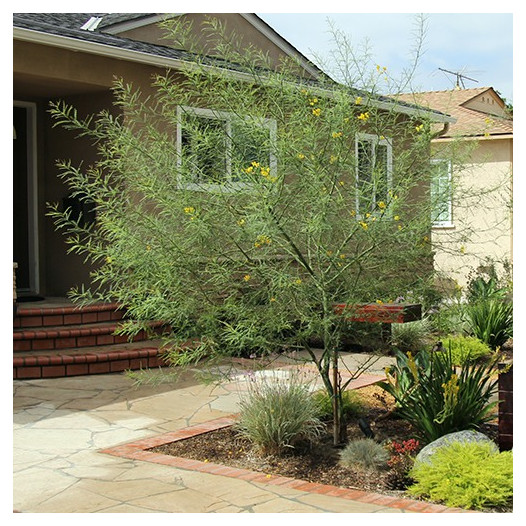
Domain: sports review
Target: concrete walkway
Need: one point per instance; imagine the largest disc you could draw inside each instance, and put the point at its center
(61, 425)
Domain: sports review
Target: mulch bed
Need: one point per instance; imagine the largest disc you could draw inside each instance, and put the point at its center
(317, 463)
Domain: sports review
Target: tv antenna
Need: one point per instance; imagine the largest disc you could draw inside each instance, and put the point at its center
(459, 76)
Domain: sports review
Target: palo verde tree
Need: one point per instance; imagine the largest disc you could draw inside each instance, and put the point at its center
(240, 202)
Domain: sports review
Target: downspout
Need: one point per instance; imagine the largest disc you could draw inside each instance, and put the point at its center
(441, 132)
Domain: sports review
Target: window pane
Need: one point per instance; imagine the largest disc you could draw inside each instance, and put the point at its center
(250, 144)
(204, 149)
(441, 192)
(365, 174)
(380, 173)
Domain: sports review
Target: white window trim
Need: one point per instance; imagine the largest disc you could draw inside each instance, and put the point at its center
(449, 223)
(227, 117)
(375, 140)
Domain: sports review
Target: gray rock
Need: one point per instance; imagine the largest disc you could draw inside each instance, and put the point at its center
(460, 436)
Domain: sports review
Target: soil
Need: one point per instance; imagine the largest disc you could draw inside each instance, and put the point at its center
(314, 462)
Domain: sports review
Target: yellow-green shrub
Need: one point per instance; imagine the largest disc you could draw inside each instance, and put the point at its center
(466, 475)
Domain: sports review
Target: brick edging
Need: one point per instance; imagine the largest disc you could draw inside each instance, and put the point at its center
(138, 450)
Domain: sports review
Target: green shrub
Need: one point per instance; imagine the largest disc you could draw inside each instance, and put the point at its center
(365, 452)
(411, 336)
(438, 399)
(352, 404)
(491, 320)
(465, 349)
(276, 413)
(466, 475)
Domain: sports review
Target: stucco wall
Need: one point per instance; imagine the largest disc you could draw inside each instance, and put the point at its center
(482, 217)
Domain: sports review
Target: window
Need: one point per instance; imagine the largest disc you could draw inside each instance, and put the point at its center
(374, 168)
(215, 148)
(441, 208)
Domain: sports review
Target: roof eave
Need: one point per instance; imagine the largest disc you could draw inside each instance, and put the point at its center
(75, 44)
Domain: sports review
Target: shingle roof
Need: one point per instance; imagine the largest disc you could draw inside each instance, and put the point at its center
(69, 25)
(470, 122)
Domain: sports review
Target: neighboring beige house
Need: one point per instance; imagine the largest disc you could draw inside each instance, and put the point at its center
(473, 221)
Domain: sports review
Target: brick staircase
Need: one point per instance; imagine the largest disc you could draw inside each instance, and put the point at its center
(56, 340)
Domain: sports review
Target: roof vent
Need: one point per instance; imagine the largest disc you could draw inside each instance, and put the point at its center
(92, 23)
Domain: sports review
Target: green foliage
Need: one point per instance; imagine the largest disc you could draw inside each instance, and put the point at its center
(365, 452)
(352, 404)
(489, 312)
(411, 336)
(465, 349)
(436, 397)
(276, 413)
(466, 475)
(491, 320)
(237, 204)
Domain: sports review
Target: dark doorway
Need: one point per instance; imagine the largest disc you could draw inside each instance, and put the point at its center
(24, 227)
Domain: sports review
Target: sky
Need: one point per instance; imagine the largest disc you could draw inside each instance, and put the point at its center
(477, 45)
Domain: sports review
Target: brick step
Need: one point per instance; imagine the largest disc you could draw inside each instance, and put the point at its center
(61, 337)
(87, 361)
(51, 316)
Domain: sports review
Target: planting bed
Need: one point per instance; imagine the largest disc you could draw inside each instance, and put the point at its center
(318, 463)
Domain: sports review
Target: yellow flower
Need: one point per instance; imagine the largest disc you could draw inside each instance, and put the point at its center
(352, 213)
(399, 227)
(261, 240)
(419, 128)
(312, 102)
(396, 218)
(333, 159)
(329, 253)
(246, 277)
(341, 183)
(148, 247)
(381, 205)
(108, 259)
(316, 112)
(367, 215)
(248, 170)
(364, 116)
(364, 225)
(240, 222)
(298, 281)
(255, 164)
(342, 256)
(335, 135)
(380, 302)
(265, 171)
(189, 210)
(358, 100)
(272, 300)
(301, 156)
(462, 249)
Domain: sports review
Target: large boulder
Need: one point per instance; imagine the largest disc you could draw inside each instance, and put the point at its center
(460, 436)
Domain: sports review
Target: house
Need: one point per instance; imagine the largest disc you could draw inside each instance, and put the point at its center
(76, 57)
(471, 231)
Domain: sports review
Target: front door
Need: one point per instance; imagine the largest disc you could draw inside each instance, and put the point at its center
(25, 225)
